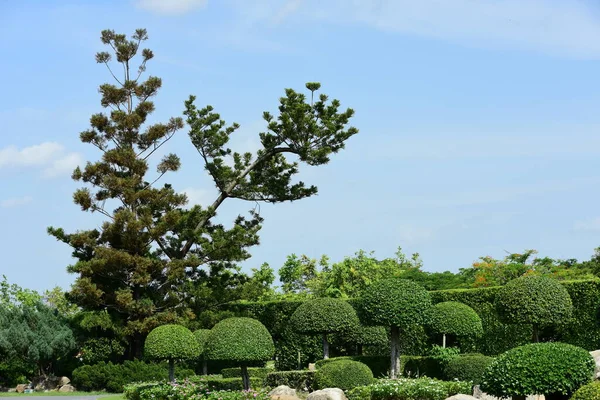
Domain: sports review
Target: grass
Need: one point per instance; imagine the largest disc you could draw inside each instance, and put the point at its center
(105, 396)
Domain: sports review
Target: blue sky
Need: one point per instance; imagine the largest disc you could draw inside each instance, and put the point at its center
(479, 120)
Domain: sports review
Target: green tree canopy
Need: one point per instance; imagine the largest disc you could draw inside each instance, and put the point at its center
(454, 318)
(172, 342)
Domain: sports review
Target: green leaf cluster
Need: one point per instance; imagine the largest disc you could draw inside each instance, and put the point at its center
(171, 342)
(395, 302)
(539, 368)
(343, 374)
(452, 317)
(468, 368)
(324, 315)
(201, 336)
(243, 340)
(591, 391)
(299, 380)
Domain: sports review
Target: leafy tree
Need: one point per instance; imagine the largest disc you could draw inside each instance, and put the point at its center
(454, 318)
(56, 298)
(299, 275)
(396, 303)
(172, 342)
(153, 259)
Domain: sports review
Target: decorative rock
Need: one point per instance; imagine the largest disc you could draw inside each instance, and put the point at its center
(21, 388)
(66, 388)
(478, 394)
(596, 355)
(327, 394)
(461, 397)
(312, 367)
(63, 381)
(283, 393)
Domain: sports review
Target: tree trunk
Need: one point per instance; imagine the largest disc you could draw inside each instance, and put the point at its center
(443, 340)
(395, 353)
(359, 349)
(245, 378)
(172, 370)
(204, 367)
(536, 334)
(325, 347)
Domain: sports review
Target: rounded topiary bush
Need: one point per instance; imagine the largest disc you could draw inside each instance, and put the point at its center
(454, 318)
(343, 374)
(201, 336)
(468, 368)
(241, 340)
(171, 342)
(535, 300)
(324, 316)
(555, 370)
(591, 391)
(361, 335)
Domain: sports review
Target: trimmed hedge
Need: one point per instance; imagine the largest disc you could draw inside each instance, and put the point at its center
(324, 315)
(253, 372)
(215, 383)
(412, 366)
(410, 389)
(201, 336)
(171, 342)
(468, 368)
(243, 340)
(299, 380)
(454, 318)
(551, 369)
(343, 374)
(591, 391)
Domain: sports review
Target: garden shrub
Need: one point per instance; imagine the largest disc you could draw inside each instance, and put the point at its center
(591, 391)
(113, 377)
(343, 374)
(535, 300)
(359, 393)
(188, 390)
(467, 368)
(421, 389)
(171, 342)
(454, 318)
(412, 366)
(299, 380)
(253, 372)
(217, 382)
(552, 369)
(378, 365)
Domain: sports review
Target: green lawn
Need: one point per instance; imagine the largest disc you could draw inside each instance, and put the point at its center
(105, 396)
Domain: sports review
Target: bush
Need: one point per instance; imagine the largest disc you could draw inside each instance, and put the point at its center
(343, 374)
(188, 390)
(421, 389)
(299, 380)
(217, 382)
(171, 342)
(411, 366)
(551, 369)
(454, 318)
(535, 300)
(113, 377)
(591, 391)
(378, 365)
(201, 336)
(324, 315)
(467, 368)
(243, 340)
(252, 372)
(359, 393)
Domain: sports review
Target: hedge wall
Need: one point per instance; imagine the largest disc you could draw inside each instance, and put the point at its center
(583, 330)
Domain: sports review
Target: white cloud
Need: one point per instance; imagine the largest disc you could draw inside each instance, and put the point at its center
(200, 197)
(589, 225)
(408, 234)
(51, 157)
(170, 7)
(15, 202)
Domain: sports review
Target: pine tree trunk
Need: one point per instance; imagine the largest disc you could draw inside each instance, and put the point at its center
(245, 378)
(325, 347)
(172, 370)
(204, 367)
(395, 353)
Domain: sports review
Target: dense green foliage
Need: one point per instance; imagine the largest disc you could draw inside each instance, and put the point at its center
(343, 374)
(113, 377)
(171, 342)
(591, 391)
(299, 380)
(539, 368)
(219, 382)
(201, 336)
(535, 300)
(243, 340)
(324, 315)
(451, 317)
(468, 368)
(253, 372)
(188, 390)
(410, 389)
(413, 366)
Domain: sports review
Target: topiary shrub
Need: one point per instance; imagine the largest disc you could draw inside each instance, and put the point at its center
(243, 340)
(253, 372)
(536, 300)
(299, 380)
(343, 374)
(555, 370)
(591, 391)
(324, 316)
(468, 368)
(361, 335)
(454, 318)
(397, 303)
(201, 336)
(171, 342)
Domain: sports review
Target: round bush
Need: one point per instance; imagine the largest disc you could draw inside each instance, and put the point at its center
(171, 342)
(551, 369)
(323, 315)
(395, 302)
(452, 317)
(343, 374)
(591, 391)
(467, 368)
(367, 336)
(201, 336)
(243, 340)
(536, 300)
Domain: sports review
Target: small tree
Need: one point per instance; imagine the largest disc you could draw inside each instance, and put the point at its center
(454, 318)
(396, 303)
(241, 340)
(361, 335)
(202, 339)
(536, 300)
(171, 342)
(324, 316)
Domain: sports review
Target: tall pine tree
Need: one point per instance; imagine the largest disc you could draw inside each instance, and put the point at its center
(153, 257)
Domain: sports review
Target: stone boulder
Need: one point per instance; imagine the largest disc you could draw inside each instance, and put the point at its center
(283, 393)
(327, 394)
(21, 388)
(596, 355)
(63, 381)
(66, 388)
(461, 396)
(480, 395)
